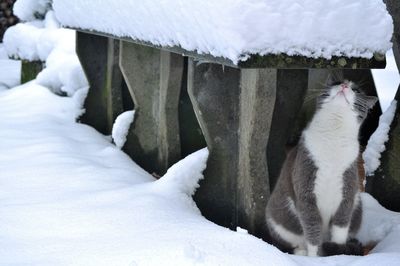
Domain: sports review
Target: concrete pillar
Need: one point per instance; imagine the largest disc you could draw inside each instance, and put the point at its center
(154, 80)
(99, 58)
(214, 92)
(257, 101)
(384, 185)
(234, 108)
(291, 86)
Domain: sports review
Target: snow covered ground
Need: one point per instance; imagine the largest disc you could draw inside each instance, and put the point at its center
(71, 197)
(235, 28)
(10, 70)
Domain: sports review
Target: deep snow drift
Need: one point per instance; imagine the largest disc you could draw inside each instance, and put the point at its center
(71, 197)
(235, 28)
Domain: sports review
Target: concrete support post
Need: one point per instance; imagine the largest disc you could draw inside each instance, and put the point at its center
(234, 108)
(154, 80)
(291, 86)
(384, 185)
(99, 58)
(257, 101)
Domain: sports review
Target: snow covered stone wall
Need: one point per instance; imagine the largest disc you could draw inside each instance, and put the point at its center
(236, 28)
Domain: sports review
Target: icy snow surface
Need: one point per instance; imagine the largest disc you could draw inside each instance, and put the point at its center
(70, 197)
(121, 127)
(376, 143)
(236, 28)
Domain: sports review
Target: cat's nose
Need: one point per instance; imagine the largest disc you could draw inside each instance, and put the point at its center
(344, 86)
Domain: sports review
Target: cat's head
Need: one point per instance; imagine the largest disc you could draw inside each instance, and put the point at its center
(346, 94)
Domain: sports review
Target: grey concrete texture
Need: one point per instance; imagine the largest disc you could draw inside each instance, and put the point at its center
(154, 80)
(99, 58)
(234, 108)
(384, 185)
(291, 90)
(257, 104)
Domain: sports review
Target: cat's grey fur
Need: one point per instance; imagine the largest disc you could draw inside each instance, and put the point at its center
(297, 211)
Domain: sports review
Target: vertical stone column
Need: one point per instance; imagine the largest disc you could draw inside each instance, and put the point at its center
(257, 101)
(234, 108)
(99, 58)
(214, 92)
(384, 185)
(393, 7)
(154, 80)
(291, 87)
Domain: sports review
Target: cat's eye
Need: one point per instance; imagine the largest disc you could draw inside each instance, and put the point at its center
(356, 90)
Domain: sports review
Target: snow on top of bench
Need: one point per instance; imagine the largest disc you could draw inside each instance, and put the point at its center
(234, 29)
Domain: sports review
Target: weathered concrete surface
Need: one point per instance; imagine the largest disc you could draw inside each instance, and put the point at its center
(393, 6)
(99, 58)
(257, 100)
(214, 93)
(234, 108)
(385, 184)
(191, 136)
(291, 89)
(29, 70)
(154, 80)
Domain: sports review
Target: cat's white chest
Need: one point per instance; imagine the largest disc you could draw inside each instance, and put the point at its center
(333, 150)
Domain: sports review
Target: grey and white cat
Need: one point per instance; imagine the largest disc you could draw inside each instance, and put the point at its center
(315, 207)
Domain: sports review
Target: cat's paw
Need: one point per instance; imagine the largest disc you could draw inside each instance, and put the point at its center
(352, 247)
(331, 249)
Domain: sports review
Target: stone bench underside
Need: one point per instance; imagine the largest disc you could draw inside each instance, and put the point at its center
(245, 114)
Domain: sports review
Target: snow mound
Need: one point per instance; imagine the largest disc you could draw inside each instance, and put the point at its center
(376, 143)
(46, 41)
(28, 10)
(236, 28)
(121, 127)
(70, 197)
(185, 175)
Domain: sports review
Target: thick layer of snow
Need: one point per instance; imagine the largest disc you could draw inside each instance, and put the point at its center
(236, 28)
(121, 127)
(376, 143)
(387, 81)
(70, 197)
(34, 41)
(45, 41)
(27, 10)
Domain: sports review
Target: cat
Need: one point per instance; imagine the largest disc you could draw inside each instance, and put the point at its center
(315, 207)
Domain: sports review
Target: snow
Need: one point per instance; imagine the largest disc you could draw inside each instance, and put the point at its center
(121, 127)
(46, 41)
(10, 71)
(376, 143)
(236, 28)
(27, 10)
(71, 197)
(387, 81)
